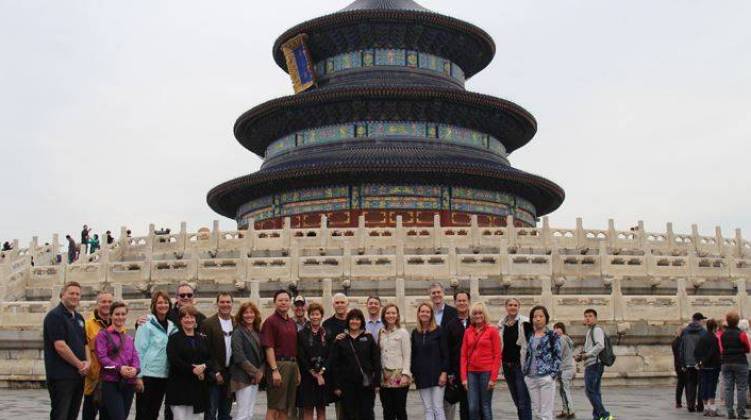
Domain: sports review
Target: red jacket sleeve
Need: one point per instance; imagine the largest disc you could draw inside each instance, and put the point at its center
(463, 357)
(496, 348)
(744, 341)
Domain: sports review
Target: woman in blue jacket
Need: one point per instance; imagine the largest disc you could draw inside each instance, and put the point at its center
(430, 362)
(151, 344)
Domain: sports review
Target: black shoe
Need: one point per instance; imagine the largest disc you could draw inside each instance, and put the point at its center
(731, 416)
(742, 416)
(691, 409)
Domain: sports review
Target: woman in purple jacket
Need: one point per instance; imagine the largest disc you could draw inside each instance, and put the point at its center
(120, 365)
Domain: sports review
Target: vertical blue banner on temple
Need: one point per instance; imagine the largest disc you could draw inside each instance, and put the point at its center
(299, 63)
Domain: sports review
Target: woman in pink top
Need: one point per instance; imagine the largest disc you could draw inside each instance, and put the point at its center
(480, 361)
(117, 354)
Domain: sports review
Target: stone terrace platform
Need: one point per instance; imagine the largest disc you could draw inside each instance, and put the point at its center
(628, 403)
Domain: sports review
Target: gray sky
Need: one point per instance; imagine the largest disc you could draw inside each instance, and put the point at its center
(121, 113)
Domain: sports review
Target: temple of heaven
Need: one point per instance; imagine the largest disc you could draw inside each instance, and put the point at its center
(381, 125)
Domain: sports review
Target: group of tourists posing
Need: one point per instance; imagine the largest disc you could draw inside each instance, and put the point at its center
(704, 349)
(197, 366)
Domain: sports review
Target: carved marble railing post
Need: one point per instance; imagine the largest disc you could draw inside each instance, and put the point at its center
(216, 235)
(183, 239)
(117, 291)
(401, 295)
(474, 231)
(362, 236)
(286, 232)
(33, 252)
(738, 251)
(251, 236)
(721, 250)
(124, 240)
(327, 288)
(55, 248)
(642, 235)
(437, 232)
(511, 231)
(616, 298)
(695, 241)
(681, 284)
(611, 235)
(294, 260)
(474, 288)
(255, 290)
(547, 292)
(547, 234)
(581, 236)
(670, 235)
(399, 234)
(104, 264)
(742, 296)
(400, 260)
(324, 232)
(347, 259)
(55, 291)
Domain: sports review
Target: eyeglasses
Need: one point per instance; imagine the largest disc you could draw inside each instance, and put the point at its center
(185, 295)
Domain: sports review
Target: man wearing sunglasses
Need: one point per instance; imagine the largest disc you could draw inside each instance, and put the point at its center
(184, 297)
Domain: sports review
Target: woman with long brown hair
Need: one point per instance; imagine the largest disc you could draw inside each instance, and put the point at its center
(396, 362)
(248, 359)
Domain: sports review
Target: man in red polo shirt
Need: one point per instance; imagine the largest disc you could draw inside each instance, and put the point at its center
(279, 339)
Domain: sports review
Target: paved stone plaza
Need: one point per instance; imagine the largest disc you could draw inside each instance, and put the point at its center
(631, 403)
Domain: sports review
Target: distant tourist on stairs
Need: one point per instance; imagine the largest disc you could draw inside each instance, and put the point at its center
(72, 249)
(7, 246)
(94, 244)
(85, 239)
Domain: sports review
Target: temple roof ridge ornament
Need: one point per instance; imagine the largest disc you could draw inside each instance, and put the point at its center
(385, 5)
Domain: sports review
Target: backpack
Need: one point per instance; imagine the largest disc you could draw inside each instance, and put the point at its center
(606, 356)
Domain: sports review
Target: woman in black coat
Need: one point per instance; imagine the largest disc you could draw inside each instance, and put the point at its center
(430, 362)
(355, 362)
(707, 354)
(312, 353)
(188, 354)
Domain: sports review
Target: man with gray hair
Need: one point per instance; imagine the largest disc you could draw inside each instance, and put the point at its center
(443, 312)
(337, 324)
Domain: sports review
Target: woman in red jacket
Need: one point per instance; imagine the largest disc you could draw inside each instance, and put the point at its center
(480, 361)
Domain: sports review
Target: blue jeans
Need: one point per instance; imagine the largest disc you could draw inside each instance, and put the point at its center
(117, 400)
(220, 402)
(592, 382)
(518, 389)
(479, 397)
(709, 379)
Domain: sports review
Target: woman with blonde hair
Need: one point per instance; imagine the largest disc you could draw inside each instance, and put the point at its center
(480, 362)
(430, 359)
(248, 360)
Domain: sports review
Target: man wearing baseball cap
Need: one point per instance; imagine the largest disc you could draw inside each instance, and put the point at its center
(300, 307)
(690, 337)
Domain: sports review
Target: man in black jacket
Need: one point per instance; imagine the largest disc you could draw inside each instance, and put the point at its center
(443, 312)
(454, 337)
(218, 330)
(689, 339)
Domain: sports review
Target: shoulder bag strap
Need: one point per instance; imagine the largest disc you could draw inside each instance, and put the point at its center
(357, 358)
(114, 350)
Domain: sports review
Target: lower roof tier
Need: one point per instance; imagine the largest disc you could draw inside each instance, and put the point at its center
(381, 203)
(390, 163)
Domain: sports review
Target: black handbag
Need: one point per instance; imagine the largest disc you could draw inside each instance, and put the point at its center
(454, 392)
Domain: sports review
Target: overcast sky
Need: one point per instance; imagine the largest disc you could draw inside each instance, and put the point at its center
(120, 113)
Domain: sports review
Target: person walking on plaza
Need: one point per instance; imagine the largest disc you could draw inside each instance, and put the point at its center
(455, 331)
(117, 354)
(99, 320)
(248, 360)
(734, 345)
(189, 371)
(594, 343)
(151, 344)
(513, 329)
(279, 339)
(707, 355)
(218, 329)
(542, 364)
(299, 307)
(65, 361)
(313, 346)
(443, 313)
(680, 374)
(689, 339)
(356, 364)
(430, 360)
(568, 371)
(374, 324)
(481, 357)
(396, 362)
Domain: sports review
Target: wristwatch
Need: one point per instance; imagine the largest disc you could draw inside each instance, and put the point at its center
(274, 369)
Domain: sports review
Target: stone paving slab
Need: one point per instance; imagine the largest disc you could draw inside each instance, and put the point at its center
(626, 403)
